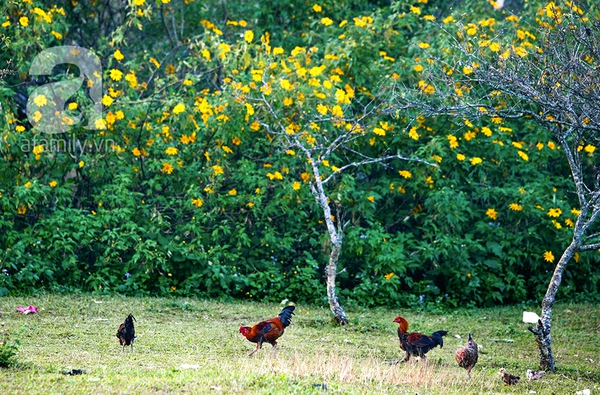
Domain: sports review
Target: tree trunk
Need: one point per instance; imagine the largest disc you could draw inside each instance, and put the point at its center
(331, 270)
(544, 325)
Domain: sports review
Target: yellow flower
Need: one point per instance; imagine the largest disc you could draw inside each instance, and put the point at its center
(40, 100)
(476, 161)
(37, 115)
(167, 168)
(285, 84)
(305, 177)
(548, 256)
(249, 109)
(337, 111)
(107, 100)
(389, 276)
(275, 176)
(425, 87)
(515, 207)
(20, 128)
(418, 68)
(197, 202)
(24, 21)
(21, 210)
(72, 106)
(296, 186)
(278, 51)
(233, 192)
(288, 101)
(424, 45)
(116, 75)
(415, 10)
(523, 156)
(448, 19)
(38, 149)
(494, 47)
(171, 151)
(81, 164)
(575, 212)
(218, 170)
(467, 70)
(139, 2)
(589, 149)
(118, 55)
(491, 213)
(178, 109)
(248, 36)
(53, 184)
(317, 8)
(371, 199)
(554, 212)
(405, 173)
(57, 35)
(327, 21)
(6, 24)
(379, 132)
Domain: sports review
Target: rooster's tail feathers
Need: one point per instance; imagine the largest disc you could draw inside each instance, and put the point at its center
(437, 336)
(286, 315)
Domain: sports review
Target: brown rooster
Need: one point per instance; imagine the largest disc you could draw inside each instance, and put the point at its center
(417, 344)
(268, 331)
(126, 332)
(509, 379)
(467, 356)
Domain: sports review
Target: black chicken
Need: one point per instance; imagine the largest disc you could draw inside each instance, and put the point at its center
(126, 332)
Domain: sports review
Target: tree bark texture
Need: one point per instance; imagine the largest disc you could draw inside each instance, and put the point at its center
(544, 325)
(331, 271)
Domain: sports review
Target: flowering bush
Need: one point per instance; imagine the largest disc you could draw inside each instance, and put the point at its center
(188, 184)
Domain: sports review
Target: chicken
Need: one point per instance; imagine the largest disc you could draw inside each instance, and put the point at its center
(509, 379)
(270, 330)
(126, 332)
(467, 356)
(534, 374)
(417, 344)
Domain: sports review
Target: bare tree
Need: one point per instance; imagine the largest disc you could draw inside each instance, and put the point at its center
(554, 83)
(320, 147)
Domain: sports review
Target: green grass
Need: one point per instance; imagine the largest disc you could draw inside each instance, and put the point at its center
(193, 346)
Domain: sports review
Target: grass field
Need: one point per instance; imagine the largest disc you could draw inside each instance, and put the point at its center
(193, 346)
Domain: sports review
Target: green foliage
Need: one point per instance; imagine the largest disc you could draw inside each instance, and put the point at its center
(8, 352)
(186, 192)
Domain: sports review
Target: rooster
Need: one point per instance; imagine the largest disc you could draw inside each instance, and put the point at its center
(509, 379)
(467, 356)
(126, 332)
(417, 344)
(268, 331)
